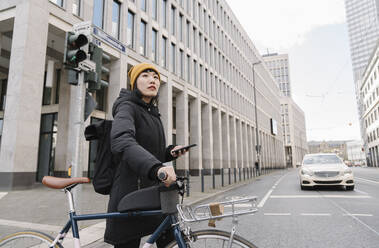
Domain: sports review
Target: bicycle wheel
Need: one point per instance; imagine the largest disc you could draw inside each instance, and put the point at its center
(27, 239)
(214, 239)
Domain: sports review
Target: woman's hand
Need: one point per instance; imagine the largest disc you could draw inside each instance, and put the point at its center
(170, 175)
(180, 153)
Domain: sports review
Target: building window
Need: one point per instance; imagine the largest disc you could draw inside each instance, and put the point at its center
(116, 19)
(3, 93)
(181, 27)
(195, 72)
(154, 54)
(143, 5)
(173, 54)
(76, 6)
(130, 30)
(154, 9)
(173, 24)
(164, 51)
(181, 64)
(188, 34)
(57, 2)
(142, 41)
(164, 13)
(188, 69)
(98, 11)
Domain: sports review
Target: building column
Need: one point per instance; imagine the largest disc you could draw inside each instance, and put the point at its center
(22, 116)
(196, 158)
(117, 80)
(225, 142)
(233, 144)
(207, 135)
(182, 164)
(217, 139)
(165, 108)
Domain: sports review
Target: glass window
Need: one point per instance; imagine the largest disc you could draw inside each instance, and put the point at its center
(188, 69)
(116, 19)
(188, 34)
(142, 41)
(98, 10)
(3, 93)
(76, 5)
(154, 9)
(164, 13)
(195, 72)
(46, 99)
(181, 27)
(58, 2)
(173, 54)
(143, 5)
(130, 30)
(164, 52)
(181, 64)
(173, 24)
(154, 54)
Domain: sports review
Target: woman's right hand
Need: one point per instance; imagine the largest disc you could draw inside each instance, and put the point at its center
(170, 175)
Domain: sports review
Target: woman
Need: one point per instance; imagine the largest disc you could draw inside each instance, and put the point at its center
(138, 140)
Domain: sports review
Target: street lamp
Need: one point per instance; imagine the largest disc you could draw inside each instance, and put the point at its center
(257, 147)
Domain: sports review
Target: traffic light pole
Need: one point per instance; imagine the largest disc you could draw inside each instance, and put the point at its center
(76, 129)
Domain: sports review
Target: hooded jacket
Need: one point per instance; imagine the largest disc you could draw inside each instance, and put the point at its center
(138, 140)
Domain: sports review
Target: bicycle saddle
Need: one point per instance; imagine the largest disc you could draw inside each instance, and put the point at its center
(60, 183)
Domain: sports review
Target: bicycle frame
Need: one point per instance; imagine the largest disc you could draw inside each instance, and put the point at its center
(170, 221)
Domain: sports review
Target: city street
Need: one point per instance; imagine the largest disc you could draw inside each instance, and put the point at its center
(323, 217)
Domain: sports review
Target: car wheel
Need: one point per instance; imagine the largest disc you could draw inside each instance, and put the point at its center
(303, 187)
(350, 187)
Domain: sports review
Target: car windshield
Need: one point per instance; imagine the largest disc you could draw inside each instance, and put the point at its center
(322, 159)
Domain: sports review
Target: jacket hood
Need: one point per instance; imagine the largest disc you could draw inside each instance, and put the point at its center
(131, 96)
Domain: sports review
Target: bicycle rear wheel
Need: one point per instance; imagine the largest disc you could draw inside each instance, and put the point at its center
(27, 239)
(214, 239)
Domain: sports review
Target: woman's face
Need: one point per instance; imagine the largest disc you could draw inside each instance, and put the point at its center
(148, 84)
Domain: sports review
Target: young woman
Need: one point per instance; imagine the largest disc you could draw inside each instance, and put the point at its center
(138, 140)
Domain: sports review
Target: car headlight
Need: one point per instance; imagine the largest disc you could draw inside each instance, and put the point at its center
(348, 172)
(306, 172)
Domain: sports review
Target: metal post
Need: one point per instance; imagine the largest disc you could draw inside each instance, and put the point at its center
(222, 177)
(202, 180)
(188, 183)
(76, 131)
(213, 179)
(229, 173)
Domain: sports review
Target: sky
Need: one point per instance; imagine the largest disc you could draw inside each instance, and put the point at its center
(315, 37)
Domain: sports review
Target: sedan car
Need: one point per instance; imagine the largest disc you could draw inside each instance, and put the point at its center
(325, 169)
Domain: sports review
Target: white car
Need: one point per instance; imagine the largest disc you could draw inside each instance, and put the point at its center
(325, 169)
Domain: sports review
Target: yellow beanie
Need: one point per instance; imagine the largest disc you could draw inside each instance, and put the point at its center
(137, 69)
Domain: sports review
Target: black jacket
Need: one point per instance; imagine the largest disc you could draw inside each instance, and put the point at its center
(138, 140)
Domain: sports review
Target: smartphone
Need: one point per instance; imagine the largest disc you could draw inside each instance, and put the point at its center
(184, 148)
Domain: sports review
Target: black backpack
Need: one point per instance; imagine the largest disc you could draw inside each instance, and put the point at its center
(106, 164)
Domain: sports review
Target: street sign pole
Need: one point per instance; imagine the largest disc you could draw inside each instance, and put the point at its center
(75, 141)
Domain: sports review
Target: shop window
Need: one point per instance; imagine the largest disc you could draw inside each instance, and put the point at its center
(3, 93)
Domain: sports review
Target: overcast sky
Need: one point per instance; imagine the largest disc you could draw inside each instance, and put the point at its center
(314, 34)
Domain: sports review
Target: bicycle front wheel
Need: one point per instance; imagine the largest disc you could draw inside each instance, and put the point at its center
(27, 239)
(214, 239)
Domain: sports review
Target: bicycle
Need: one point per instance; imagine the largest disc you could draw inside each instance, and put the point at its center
(178, 216)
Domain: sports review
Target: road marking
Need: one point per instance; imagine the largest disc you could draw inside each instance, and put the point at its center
(277, 214)
(364, 215)
(264, 199)
(2, 194)
(360, 191)
(28, 225)
(315, 214)
(366, 180)
(321, 196)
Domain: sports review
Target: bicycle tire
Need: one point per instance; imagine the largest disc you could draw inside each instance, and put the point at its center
(220, 237)
(26, 239)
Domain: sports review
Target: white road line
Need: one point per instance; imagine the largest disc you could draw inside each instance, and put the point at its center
(264, 199)
(241, 205)
(278, 214)
(315, 214)
(363, 215)
(321, 196)
(360, 191)
(366, 180)
(28, 225)
(2, 194)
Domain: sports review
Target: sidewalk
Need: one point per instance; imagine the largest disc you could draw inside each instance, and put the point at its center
(46, 210)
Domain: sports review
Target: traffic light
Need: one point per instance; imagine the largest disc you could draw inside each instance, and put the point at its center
(94, 80)
(72, 52)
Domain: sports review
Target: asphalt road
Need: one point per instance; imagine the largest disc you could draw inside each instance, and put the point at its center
(321, 217)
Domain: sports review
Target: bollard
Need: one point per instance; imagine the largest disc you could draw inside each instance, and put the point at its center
(202, 180)
(188, 183)
(222, 177)
(229, 173)
(235, 175)
(213, 179)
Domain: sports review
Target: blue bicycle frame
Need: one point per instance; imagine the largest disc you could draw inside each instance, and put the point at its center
(170, 221)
